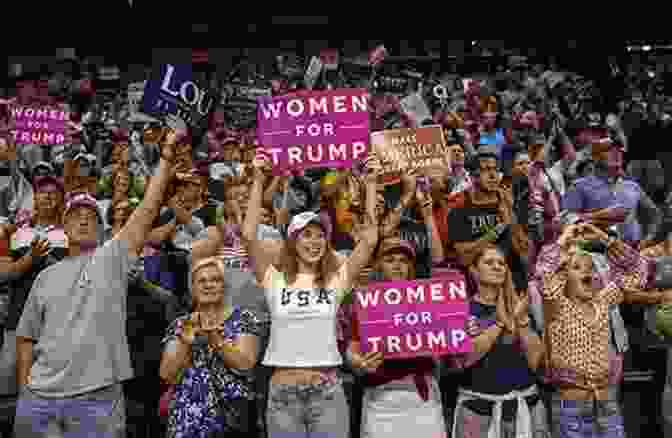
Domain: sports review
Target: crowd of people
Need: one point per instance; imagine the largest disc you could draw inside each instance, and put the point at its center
(158, 281)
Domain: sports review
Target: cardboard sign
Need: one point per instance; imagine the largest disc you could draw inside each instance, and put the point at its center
(332, 126)
(406, 149)
(39, 125)
(406, 319)
(172, 90)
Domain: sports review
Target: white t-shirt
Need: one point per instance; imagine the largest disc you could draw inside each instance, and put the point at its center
(303, 319)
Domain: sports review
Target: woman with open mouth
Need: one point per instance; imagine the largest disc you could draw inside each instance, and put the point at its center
(580, 359)
(305, 283)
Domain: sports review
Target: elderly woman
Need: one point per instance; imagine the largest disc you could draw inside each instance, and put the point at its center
(498, 396)
(209, 353)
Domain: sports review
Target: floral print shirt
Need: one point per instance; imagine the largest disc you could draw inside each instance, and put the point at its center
(211, 396)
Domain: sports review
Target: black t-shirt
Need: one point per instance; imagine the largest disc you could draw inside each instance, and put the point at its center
(502, 370)
(416, 232)
(469, 223)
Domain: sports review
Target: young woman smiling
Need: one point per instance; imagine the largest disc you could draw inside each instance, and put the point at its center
(304, 287)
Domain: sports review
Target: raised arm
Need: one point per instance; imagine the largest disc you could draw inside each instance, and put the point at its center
(632, 274)
(139, 224)
(262, 252)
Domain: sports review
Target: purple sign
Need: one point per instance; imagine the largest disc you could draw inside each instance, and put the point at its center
(406, 319)
(42, 125)
(314, 128)
(172, 90)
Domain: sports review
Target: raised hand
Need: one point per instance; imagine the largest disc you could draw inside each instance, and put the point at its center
(177, 126)
(472, 327)
(372, 167)
(502, 315)
(521, 310)
(261, 166)
(425, 201)
(39, 248)
(369, 230)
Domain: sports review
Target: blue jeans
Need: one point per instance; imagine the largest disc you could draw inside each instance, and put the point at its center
(587, 419)
(98, 414)
(307, 411)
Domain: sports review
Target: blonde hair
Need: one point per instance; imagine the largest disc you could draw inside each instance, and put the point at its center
(199, 266)
(411, 265)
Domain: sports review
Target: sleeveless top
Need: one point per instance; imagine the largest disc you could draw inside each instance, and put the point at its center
(303, 321)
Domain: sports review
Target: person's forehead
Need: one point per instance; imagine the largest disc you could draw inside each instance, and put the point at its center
(312, 227)
(47, 188)
(237, 188)
(396, 252)
(487, 162)
(209, 270)
(492, 253)
(82, 210)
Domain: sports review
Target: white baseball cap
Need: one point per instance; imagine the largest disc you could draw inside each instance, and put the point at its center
(301, 220)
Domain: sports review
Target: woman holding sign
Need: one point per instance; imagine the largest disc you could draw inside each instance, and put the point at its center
(304, 289)
(401, 396)
(498, 396)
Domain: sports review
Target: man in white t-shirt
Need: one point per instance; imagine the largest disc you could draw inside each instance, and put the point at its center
(72, 350)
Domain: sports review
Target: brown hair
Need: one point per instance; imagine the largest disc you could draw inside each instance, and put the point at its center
(288, 263)
(508, 290)
(411, 265)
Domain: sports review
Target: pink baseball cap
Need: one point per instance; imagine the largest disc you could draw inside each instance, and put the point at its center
(82, 199)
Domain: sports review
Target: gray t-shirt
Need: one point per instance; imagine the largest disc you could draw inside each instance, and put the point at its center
(76, 312)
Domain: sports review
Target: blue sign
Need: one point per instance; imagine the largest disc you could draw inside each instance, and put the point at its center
(172, 90)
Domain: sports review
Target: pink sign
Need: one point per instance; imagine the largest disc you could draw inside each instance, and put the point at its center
(42, 125)
(406, 319)
(331, 126)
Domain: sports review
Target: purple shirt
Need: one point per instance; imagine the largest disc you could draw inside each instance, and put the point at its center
(593, 193)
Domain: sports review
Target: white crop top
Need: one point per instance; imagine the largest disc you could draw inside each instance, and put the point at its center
(303, 320)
